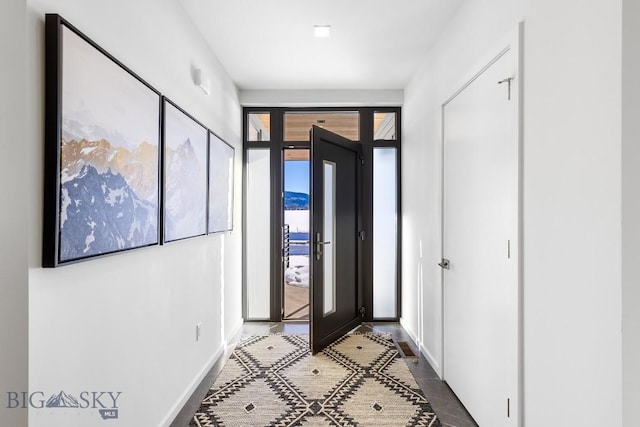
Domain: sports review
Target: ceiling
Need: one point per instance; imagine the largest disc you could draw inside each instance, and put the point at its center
(269, 44)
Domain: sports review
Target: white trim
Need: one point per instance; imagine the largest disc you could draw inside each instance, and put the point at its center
(236, 329)
(423, 350)
(432, 360)
(520, 224)
(407, 328)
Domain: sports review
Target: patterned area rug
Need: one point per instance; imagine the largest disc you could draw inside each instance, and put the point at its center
(273, 380)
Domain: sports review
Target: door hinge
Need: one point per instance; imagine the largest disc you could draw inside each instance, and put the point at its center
(508, 249)
(508, 408)
(361, 159)
(362, 311)
(361, 235)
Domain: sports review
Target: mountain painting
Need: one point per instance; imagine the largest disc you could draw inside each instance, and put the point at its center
(185, 175)
(220, 185)
(109, 155)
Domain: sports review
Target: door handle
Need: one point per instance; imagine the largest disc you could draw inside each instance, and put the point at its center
(319, 245)
(445, 264)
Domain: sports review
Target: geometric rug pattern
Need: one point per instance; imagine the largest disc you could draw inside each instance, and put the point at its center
(274, 380)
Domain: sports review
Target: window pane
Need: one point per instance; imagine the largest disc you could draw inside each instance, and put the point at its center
(258, 222)
(297, 124)
(384, 232)
(384, 126)
(259, 127)
(329, 248)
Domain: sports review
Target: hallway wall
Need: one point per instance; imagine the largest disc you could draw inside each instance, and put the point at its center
(321, 97)
(472, 35)
(127, 322)
(572, 212)
(13, 226)
(572, 197)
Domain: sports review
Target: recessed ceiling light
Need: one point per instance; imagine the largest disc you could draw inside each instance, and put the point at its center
(322, 30)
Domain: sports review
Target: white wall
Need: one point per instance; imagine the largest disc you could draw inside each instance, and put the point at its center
(630, 212)
(471, 35)
(127, 322)
(321, 98)
(13, 226)
(572, 211)
(572, 199)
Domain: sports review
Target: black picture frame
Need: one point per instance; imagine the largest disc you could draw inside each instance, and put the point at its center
(101, 151)
(221, 170)
(185, 159)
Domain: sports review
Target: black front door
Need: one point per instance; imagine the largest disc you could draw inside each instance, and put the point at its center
(336, 294)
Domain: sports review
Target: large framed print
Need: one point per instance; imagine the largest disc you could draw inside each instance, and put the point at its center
(102, 151)
(221, 159)
(185, 175)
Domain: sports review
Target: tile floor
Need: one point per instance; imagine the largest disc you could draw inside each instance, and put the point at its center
(445, 404)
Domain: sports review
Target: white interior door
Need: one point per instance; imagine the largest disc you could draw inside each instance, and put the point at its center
(480, 232)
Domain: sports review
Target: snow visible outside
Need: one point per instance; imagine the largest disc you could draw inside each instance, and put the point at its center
(298, 221)
(298, 272)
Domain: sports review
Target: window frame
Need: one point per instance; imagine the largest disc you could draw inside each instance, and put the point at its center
(277, 144)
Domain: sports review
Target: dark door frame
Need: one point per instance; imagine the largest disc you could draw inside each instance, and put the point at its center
(276, 145)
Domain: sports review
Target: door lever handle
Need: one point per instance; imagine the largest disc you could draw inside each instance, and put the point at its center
(319, 245)
(444, 264)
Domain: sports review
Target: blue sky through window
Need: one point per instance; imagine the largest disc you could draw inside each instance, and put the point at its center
(296, 176)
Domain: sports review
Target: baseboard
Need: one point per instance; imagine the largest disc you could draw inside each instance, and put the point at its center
(432, 360)
(234, 331)
(184, 398)
(425, 352)
(410, 331)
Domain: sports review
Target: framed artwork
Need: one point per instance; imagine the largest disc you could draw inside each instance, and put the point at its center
(102, 151)
(221, 158)
(185, 175)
